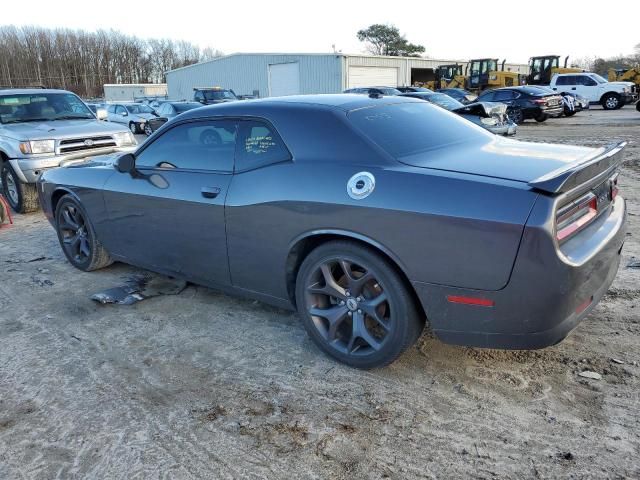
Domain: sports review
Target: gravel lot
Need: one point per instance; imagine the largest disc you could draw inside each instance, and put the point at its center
(202, 385)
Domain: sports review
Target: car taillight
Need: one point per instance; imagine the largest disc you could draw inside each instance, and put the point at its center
(573, 217)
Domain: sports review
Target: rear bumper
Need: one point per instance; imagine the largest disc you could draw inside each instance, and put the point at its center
(549, 293)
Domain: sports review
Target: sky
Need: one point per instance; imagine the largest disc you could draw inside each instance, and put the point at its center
(460, 30)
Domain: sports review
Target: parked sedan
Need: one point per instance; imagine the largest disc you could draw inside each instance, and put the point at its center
(374, 90)
(167, 111)
(526, 102)
(460, 94)
(134, 115)
(366, 214)
(492, 116)
(572, 102)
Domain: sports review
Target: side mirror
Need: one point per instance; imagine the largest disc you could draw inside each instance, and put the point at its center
(101, 114)
(124, 114)
(126, 163)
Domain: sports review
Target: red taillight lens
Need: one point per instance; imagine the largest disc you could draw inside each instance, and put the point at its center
(475, 301)
(539, 101)
(572, 218)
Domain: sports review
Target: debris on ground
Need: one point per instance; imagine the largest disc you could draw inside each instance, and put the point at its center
(619, 362)
(635, 264)
(139, 287)
(590, 374)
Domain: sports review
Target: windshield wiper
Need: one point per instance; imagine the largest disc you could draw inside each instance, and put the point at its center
(73, 117)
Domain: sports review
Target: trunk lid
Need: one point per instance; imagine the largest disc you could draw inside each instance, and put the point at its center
(525, 162)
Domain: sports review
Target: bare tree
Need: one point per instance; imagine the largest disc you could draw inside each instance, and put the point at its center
(83, 61)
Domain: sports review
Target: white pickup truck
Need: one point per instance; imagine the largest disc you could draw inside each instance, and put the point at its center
(611, 95)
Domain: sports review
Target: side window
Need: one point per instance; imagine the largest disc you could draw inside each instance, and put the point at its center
(259, 145)
(563, 80)
(588, 81)
(206, 145)
(120, 109)
(199, 96)
(164, 109)
(487, 97)
(502, 95)
(111, 109)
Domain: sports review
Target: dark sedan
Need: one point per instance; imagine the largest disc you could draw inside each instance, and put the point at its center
(366, 214)
(414, 89)
(167, 111)
(526, 102)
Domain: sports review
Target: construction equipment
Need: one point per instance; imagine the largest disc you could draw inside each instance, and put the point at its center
(484, 74)
(625, 75)
(449, 76)
(542, 69)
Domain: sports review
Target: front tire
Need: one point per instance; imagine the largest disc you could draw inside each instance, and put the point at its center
(611, 101)
(22, 197)
(516, 115)
(541, 118)
(355, 306)
(133, 128)
(638, 106)
(147, 130)
(77, 237)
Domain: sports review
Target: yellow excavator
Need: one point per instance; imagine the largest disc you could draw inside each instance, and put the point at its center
(449, 76)
(543, 68)
(625, 75)
(483, 73)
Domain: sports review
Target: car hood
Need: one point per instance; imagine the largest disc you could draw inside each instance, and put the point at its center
(59, 129)
(483, 109)
(621, 84)
(501, 158)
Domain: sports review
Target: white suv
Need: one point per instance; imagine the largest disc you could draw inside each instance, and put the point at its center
(611, 95)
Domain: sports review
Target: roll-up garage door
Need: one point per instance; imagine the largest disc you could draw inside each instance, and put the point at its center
(284, 79)
(372, 76)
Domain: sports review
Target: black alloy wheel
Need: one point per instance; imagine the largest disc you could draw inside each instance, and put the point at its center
(516, 115)
(77, 237)
(355, 306)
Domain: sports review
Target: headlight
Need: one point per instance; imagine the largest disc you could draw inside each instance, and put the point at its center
(124, 139)
(625, 89)
(38, 146)
(489, 121)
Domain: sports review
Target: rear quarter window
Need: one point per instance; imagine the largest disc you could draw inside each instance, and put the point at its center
(406, 129)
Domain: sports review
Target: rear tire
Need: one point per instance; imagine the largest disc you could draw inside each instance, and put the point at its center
(611, 101)
(541, 118)
(355, 306)
(516, 115)
(638, 106)
(147, 130)
(78, 238)
(22, 197)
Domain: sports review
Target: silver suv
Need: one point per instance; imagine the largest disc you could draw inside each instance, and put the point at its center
(42, 129)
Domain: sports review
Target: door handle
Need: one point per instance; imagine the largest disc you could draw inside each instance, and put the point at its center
(555, 88)
(573, 88)
(210, 192)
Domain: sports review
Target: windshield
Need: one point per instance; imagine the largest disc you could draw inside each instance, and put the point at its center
(136, 109)
(183, 107)
(406, 129)
(41, 107)
(219, 95)
(598, 78)
(444, 101)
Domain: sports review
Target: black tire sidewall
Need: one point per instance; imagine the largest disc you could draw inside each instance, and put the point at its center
(7, 169)
(87, 264)
(402, 304)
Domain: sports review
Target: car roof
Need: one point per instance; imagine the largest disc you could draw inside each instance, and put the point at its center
(340, 101)
(28, 91)
(529, 89)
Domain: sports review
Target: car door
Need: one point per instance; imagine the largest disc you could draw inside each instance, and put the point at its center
(120, 115)
(587, 87)
(504, 96)
(565, 83)
(169, 216)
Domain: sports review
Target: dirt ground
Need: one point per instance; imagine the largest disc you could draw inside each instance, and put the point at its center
(202, 385)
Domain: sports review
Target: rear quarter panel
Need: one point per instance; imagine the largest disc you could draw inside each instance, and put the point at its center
(440, 227)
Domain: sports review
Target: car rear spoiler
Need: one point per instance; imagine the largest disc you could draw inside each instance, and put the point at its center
(581, 171)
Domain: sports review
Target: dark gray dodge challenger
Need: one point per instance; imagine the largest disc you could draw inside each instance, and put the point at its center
(368, 215)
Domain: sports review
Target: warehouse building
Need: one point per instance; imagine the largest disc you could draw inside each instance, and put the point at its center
(270, 75)
(128, 92)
